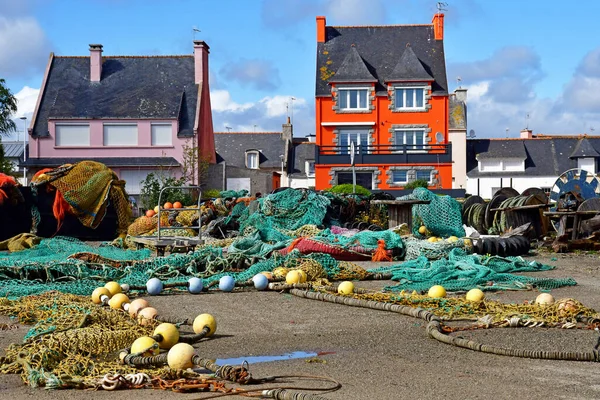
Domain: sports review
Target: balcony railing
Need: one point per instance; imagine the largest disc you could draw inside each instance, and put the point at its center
(385, 154)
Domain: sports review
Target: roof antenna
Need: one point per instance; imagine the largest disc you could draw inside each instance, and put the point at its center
(194, 30)
(527, 122)
(441, 6)
(458, 81)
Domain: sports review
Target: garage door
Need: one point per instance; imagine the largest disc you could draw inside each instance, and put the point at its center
(134, 178)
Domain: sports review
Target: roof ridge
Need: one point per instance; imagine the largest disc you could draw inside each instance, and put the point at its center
(149, 56)
(376, 26)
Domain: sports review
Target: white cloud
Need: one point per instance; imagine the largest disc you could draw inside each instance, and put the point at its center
(24, 47)
(220, 100)
(267, 113)
(26, 100)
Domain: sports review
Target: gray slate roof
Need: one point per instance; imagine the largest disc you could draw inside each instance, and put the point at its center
(302, 152)
(353, 69)
(12, 149)
(160, 87)
(409, 68)
(380, 47)
(231, 147)
(547, 156)
(110, 162)
(584, 149)
(502, 149)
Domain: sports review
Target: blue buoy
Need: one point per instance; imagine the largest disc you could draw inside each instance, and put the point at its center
(226, 283)
(195, 285)
(154, 286)
(260, 281)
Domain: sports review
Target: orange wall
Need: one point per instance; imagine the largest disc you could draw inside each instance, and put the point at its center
(436, 118)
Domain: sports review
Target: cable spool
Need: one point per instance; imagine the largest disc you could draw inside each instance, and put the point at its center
(468, 202)
(507, 191)
(505, 220)
(489, 214)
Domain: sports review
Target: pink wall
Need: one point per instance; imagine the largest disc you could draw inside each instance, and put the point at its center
(45, 147)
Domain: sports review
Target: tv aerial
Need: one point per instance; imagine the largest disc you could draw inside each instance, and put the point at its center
(439, 137)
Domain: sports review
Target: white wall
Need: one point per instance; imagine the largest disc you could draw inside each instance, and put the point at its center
(298, 183)
(487, 186)
(458, 138)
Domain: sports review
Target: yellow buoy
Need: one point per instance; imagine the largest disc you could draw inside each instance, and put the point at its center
(145, 345)
(136, 306)
(423, 230)
(293, 277)
(544, 299)
(203, 320)
(303, 276)
(98, 293)
(468, 242)
(113, 288)
(146, 315)
(436, 291)
(475, 295)
(452, 239)
(346, 287)
(180, 356)
(169, 333)
(117, 301)
(432, 239)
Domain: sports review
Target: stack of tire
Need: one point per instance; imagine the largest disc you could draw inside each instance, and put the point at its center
(503, 247)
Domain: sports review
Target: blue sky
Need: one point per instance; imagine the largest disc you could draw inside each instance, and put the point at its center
(517, 58)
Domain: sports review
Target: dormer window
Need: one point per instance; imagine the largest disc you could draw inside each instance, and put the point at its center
(252, 159)
(353, 99)
(409, 98)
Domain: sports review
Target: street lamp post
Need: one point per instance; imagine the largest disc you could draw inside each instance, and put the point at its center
(24, 118)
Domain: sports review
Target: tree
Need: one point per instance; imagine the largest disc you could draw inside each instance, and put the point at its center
(6, 167)
(8, 106)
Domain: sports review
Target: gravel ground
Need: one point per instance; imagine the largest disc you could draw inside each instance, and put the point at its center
(374, 354)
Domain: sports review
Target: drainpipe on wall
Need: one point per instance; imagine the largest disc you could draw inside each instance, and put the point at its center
(224, 176)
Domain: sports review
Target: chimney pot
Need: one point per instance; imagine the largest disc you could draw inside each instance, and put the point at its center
(526, 134)
(95, 62)
(438, 26)
(321, 22)
(201, 50)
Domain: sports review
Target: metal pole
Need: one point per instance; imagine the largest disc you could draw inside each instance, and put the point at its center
(24, 149)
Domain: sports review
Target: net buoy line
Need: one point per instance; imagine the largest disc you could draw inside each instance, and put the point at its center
(76, 362)
(435, 327)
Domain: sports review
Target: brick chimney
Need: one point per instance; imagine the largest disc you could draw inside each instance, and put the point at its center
(438, 26)
(526, 134)
(321, 29)
(95, 62)
(201, 51)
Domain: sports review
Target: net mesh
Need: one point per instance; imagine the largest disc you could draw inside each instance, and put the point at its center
(442, 216)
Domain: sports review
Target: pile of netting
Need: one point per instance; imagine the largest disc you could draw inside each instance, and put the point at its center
(436, 250)
(84, 190)
(442, 216)
(71, 266)
(462, 271)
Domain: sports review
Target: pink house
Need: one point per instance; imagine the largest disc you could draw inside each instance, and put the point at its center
(132, 113)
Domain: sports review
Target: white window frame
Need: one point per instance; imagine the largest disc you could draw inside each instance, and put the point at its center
(414, 141)
(499, 165)
(359, 132)
(153, 134)
(402, 90)
(249, 155)
(346, 92)
(430, 180)
(57, 128)
(109, 124)
(307, 164)
(582, 163)
(404, 182)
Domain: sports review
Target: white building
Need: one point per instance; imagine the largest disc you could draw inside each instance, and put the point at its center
(529, 161)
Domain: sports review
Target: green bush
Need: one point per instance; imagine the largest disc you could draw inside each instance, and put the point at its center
(211, 193)
(417, 183)
(346, 188)
(152, 185)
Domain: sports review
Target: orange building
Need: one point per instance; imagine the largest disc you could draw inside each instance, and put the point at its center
(384, 89)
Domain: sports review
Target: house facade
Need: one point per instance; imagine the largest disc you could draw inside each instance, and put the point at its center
(13, 152)
(529, 161)
(133, 113)
(301, 171)
(382, 90)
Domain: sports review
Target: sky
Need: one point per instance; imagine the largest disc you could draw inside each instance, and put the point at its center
(530, 63)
